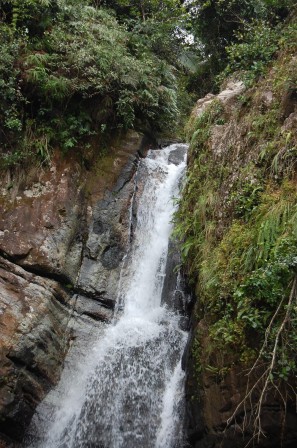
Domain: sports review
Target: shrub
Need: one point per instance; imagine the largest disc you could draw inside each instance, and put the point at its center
(77, 77)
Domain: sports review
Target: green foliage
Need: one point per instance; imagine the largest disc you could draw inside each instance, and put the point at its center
(256, 46)
(12, 98)
(216, 22)
(235, 35)
(244, 275)
(246, 199)
(198, 128)
(70, 71)
(34, 15)
(71, 129)
(237, 223)
(145, 9)
(89, 57)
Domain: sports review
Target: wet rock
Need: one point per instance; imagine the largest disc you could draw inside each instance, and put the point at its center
(112, 256)
(109, 237)
(34, 333)
(174, 292)
(171, 275)
(63, 228)
(106, 244)
(177, 156)
(99, 227)
(90, 307)
(126, 174)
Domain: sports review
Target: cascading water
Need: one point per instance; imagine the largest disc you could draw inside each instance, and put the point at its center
(128, 393)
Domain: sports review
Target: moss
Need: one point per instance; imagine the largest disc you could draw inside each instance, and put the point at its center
(237, 222)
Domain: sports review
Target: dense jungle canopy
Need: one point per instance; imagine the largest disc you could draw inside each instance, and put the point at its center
(71, 70)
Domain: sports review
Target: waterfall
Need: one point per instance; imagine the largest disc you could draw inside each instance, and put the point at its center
(127, 392)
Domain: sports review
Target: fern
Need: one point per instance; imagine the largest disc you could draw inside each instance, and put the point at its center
(37, 59)
(274, 220)
(57, 87)
(37, 74)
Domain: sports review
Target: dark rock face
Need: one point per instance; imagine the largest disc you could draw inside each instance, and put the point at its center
(177, 156)
(162, 143)
(112, 257)
(289, 103)
(211, 406)
(93, 308)
(174, 292)
(63, 233)
(34, 340)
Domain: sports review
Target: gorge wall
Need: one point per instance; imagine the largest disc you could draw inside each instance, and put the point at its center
(64, 229)
(237, 221)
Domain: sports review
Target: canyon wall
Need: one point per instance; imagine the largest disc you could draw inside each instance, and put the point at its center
(64, 230)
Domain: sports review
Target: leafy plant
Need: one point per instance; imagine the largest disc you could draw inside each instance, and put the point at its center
(237, 228)
(255, 47)
(71, 70)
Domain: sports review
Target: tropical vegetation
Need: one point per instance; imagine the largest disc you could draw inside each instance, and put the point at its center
(238, 214)
(75, 72)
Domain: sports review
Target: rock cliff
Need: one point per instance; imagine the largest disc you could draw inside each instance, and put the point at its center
(64, 230)
(237, 222)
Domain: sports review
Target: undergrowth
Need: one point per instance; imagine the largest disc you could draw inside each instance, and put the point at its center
(69, 71)
(237, 223)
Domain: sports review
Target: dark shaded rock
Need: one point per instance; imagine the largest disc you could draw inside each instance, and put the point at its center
(163, 142)
(174, 293)
(148, 141)
(112, 256)
(99, 227)
(289, 103)
(171, 276)
(109, 239)
(177, 156)
(34, 340)
(211, 405)
(90, 307)
(126, 174)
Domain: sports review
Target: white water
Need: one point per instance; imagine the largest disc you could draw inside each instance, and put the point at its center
(127, 393)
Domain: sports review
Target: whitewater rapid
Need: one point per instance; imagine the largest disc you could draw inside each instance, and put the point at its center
(128, 391)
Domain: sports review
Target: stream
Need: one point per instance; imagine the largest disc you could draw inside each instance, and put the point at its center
(127, 391)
